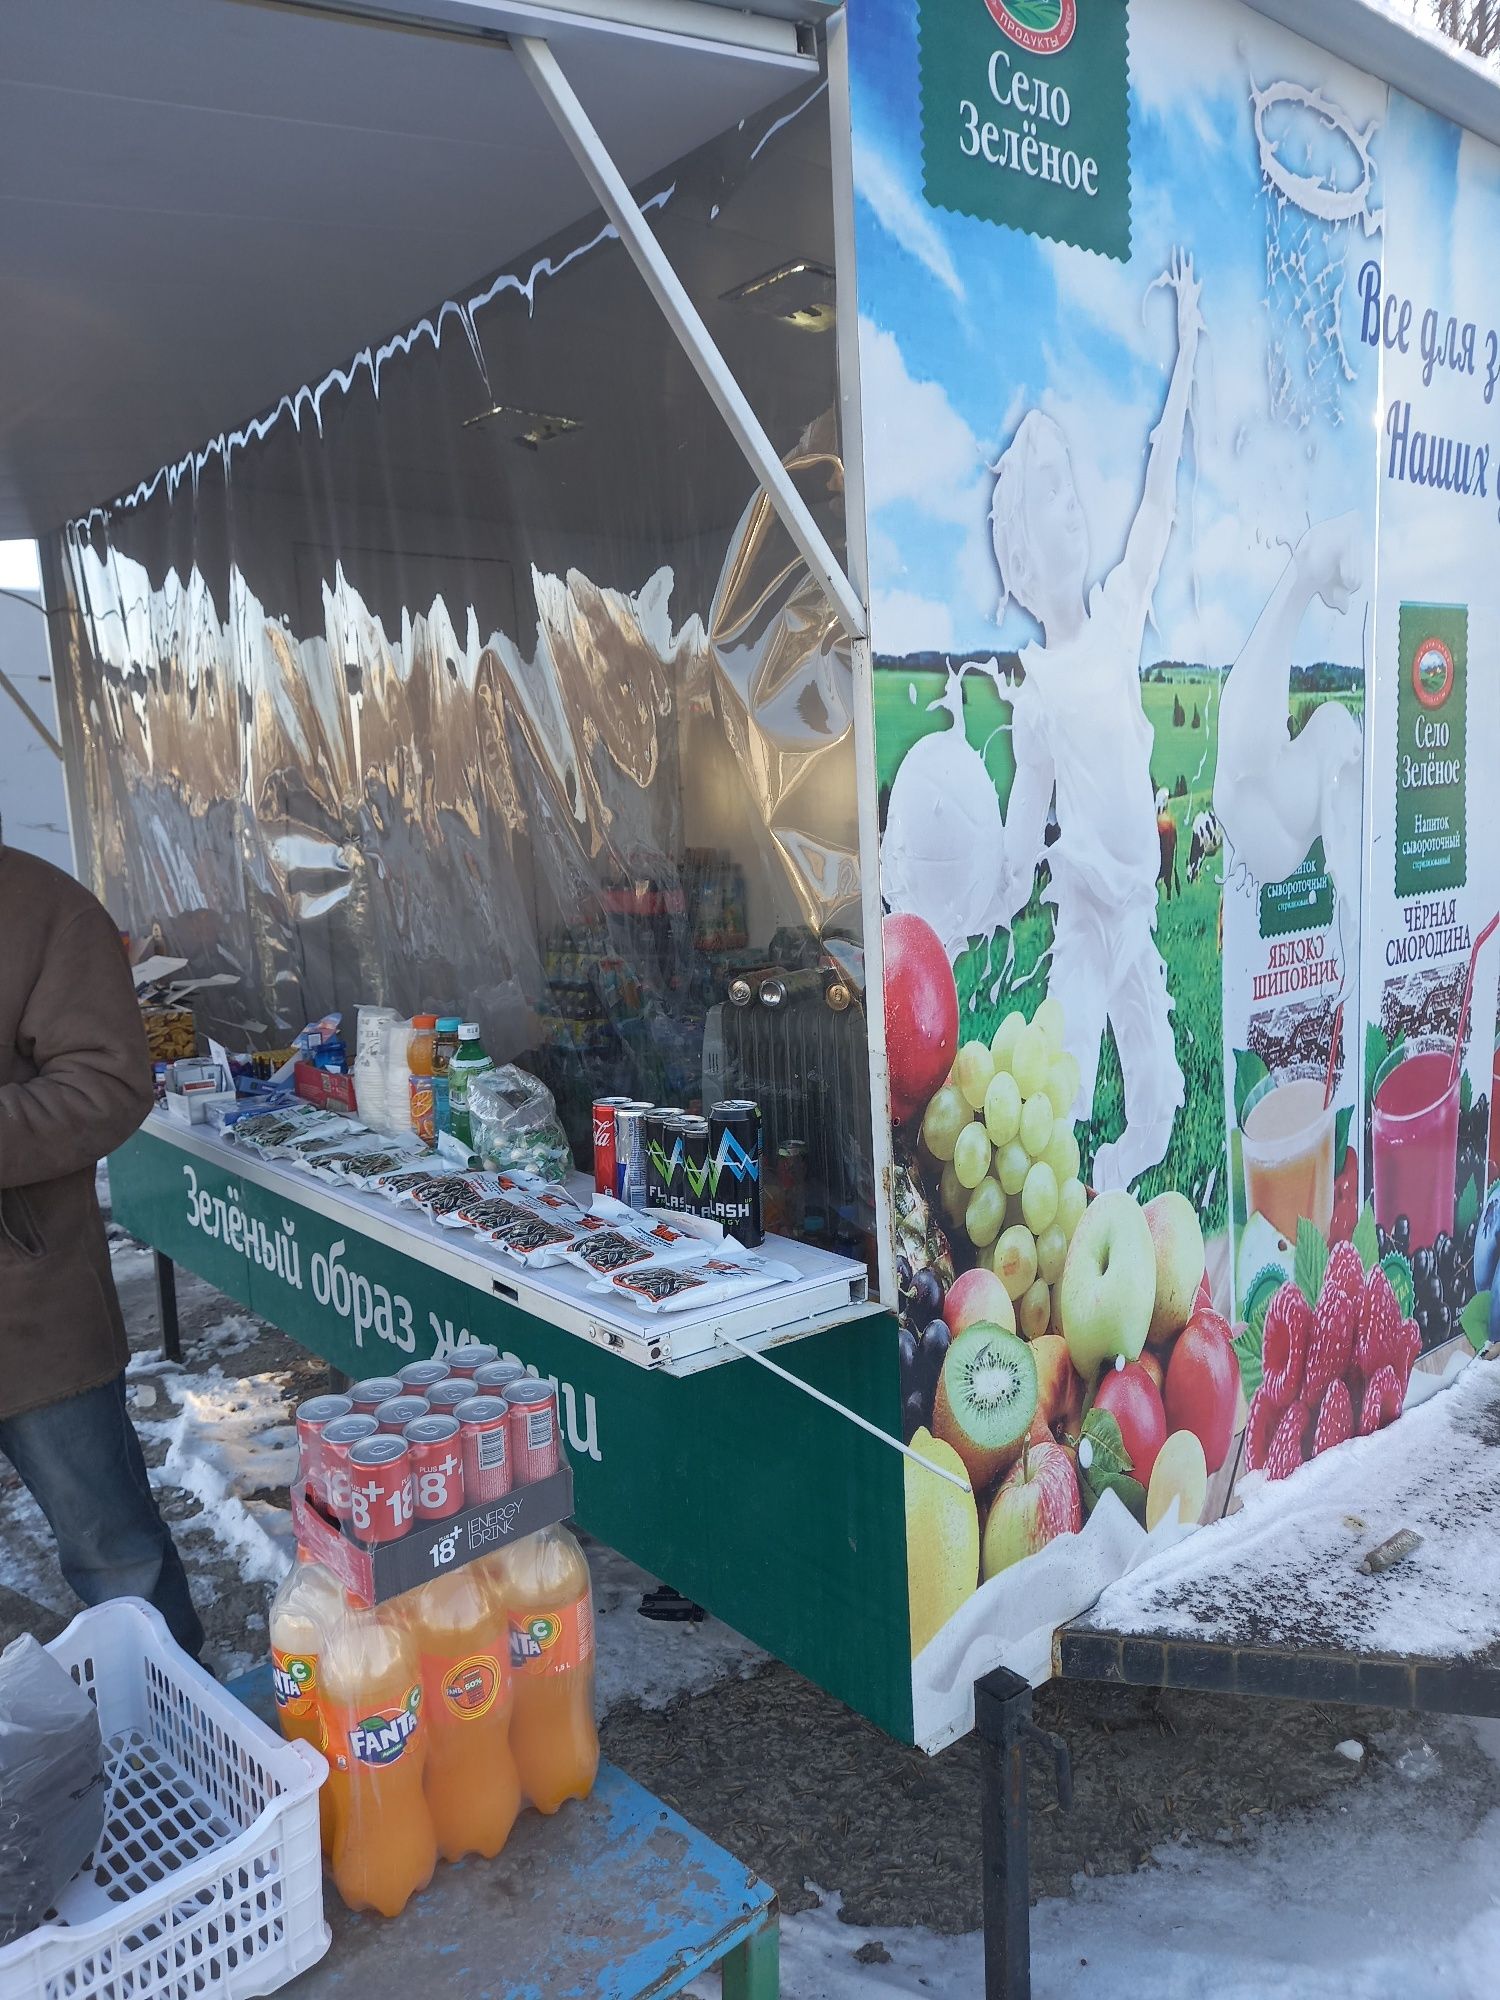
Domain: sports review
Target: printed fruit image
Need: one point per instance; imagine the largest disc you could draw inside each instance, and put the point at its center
(921, 1013)
(1156, 1367)
(1487, 1244)
(1108, 1285)
(986, 1400)
(1177, 1238)
(1203, 1385)
(1037, 1501)
(1059, 1394)
(942, 1540)
(1179, 1474)
(919, 1236)
(978, 1295)
(1130, 1396)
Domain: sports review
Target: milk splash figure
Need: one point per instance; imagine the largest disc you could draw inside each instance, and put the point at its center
(1079, 726)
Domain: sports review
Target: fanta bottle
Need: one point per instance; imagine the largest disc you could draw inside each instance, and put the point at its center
(551, 1616)
(473, 1792)
(384, 1850)
(304, 1611)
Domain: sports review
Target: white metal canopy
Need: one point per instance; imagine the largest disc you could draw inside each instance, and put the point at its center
(205, 202)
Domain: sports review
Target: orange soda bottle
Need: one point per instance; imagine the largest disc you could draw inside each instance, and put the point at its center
(384, 1849)
(308, 1604)
(473, 1791)
(551, 1616)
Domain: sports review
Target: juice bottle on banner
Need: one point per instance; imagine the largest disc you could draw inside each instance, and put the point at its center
(551, 1616)
(307, 1606)
(473, 1791)
(421, 1056)
(384, 1849)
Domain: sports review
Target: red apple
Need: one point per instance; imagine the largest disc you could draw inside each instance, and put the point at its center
(1059, 1386)
(1133, 1400)
(921, 1013)
(1155, 1366)
(978, 1295)
(1203, 1383)
(1037, 1501)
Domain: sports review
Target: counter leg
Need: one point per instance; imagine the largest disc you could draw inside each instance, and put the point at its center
(1002, 1710)
(752, 1971)
(166, 1305)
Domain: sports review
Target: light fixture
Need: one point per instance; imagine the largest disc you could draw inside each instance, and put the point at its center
(531, 428)
(800, 294)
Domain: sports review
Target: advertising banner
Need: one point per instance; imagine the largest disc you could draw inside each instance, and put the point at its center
(1145, 722)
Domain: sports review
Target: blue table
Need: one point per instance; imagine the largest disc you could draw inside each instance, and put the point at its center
(614, 1898)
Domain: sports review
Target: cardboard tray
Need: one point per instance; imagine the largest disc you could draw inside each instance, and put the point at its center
(432, 1548)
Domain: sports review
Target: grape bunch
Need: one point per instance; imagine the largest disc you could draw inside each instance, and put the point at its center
(1001, 1132)
(1473, 1148)
(1442, 1278)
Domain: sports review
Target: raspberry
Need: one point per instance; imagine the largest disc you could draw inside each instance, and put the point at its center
(1379, 1337)
(1260, 1428)
(1331, 1343)
(1335, 1418)
(1382, 1402)
(1401, 1355)
(1286, 1452)
(1344, 1270)
(1283, 1347)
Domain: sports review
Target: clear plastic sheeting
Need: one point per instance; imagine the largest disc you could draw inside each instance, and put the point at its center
(481, 677)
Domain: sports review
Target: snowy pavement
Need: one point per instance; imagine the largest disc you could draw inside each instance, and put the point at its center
(1226, 1847)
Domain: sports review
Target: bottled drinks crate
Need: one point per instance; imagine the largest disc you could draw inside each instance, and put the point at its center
(208, 1878)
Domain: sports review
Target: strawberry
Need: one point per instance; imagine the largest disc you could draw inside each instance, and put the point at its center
(1382, 1402)
(1335, 1418)
(1283, 1348)
(1260, 1428)
(1403, 1351)
(1286, 1452)
(1379, 1336)
(1331, 1343)
(1344, 1270)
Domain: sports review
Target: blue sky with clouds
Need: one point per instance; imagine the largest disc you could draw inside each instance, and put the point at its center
(966, 324)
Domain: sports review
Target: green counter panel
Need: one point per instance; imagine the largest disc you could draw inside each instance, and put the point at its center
(780, 1516)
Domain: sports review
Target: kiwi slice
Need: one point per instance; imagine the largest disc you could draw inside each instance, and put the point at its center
(986, 1400)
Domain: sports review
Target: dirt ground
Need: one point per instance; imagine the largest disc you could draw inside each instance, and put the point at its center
(787, 1779)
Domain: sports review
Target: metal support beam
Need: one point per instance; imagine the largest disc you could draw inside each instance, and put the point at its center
(542, 66)
(166, 1304)
(1007, 1736)
(31, 715)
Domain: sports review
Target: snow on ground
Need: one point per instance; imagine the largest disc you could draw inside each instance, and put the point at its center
(1373, 1899)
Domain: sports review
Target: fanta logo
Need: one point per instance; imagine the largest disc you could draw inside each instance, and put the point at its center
(533, 1637)
(471, 1687)
(292, 1680)
(1041, 27)
(380, 1739)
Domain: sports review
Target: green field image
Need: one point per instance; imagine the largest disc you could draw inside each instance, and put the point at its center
(1182, 707)
(1040, 15)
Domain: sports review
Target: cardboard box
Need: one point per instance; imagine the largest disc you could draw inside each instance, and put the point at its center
(432, 1548)
(325, 1088)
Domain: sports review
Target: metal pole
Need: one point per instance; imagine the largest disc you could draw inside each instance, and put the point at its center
(1002, 1708)
(536, 58)
(166, 1305)
(30, 714)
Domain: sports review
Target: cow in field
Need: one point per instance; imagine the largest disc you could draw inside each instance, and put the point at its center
(1166, 834)
(1207, 841)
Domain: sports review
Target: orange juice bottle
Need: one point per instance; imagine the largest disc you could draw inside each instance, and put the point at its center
(384, 1849)
(421, 1065)
(473, 1791)
(304, 1611)
(551, 1616)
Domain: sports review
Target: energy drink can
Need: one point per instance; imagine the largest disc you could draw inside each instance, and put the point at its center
(446, 1396)
(484, 1443)
(659, 1151)
(496, 1377)
(394, 1416)
(471, 1357)
(338, 1440)
(313, 1418)
(534, 1450)
(604, 1142)
(417, 1377)
(630, 1153)
(437, 1467)
(697, 1167)
(367, 1396)
(381, 1501)
(735, 1135)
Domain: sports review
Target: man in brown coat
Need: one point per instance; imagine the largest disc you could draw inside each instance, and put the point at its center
(75, 1080)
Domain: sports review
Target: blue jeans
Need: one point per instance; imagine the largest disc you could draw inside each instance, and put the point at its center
(81, 1461)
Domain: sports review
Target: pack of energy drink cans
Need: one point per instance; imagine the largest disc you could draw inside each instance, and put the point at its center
(660, 1156)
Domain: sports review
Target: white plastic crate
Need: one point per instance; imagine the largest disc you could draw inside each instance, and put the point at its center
(208, 1881)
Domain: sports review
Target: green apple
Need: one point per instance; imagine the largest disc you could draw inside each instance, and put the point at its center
(1108, 1286)
(1177, 1242)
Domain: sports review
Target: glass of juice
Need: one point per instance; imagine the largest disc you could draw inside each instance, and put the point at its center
(1416, 1139)
(1286, 1142)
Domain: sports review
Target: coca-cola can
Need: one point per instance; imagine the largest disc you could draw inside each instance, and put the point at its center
(533, 1430)
(313, 1417)
(367, 1396)
(419, 1376)
(495, 1378)
(445, 1396)
(604, 1142)
(381, 1502)
(471, 1357)
(394, 1416)
(339, 1439)
(437, 1467)
(485, 1444)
